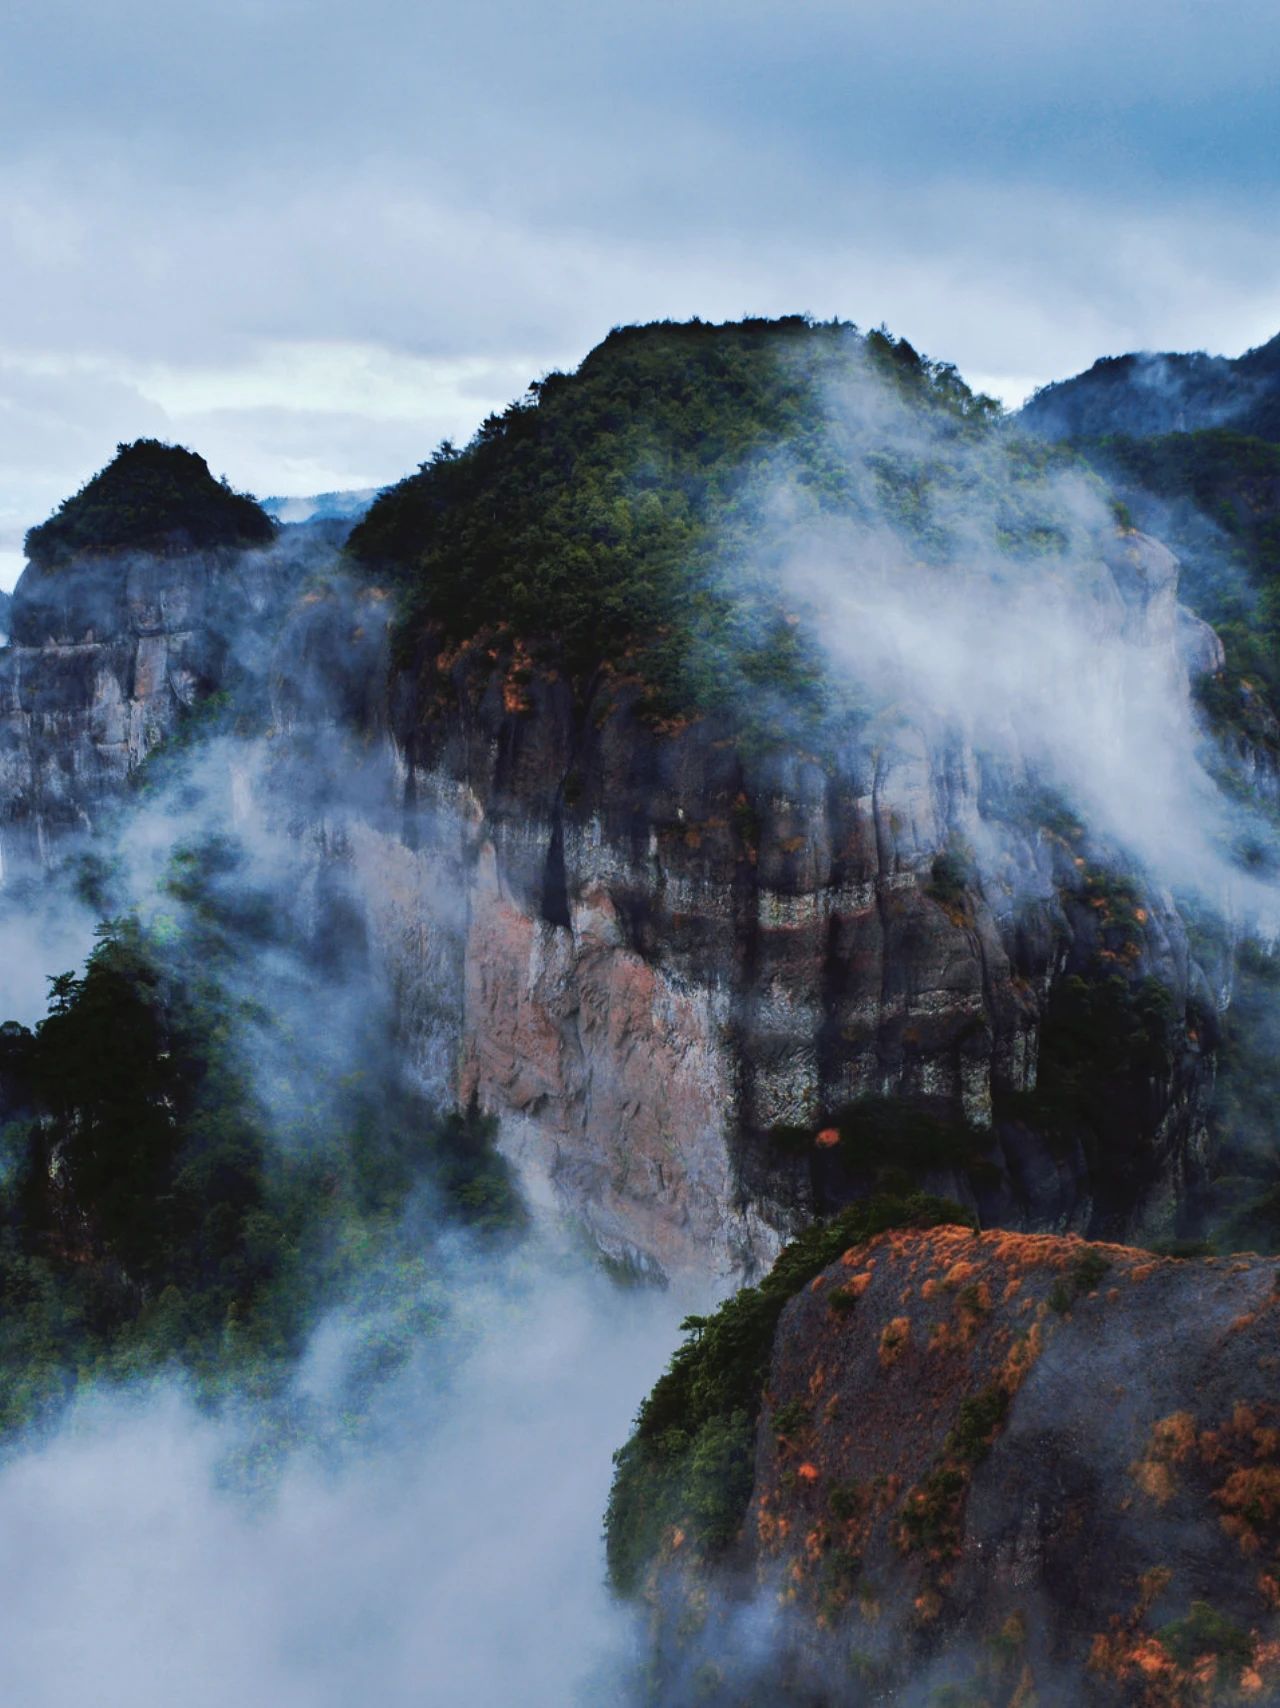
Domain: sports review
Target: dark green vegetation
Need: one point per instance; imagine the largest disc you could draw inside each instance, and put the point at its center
(150, 498)
(886, 1144)
(635, 512)
(931, 1518)
(689, 1462)
(1205, 1631)
(155, 1212)
(1242, 1208)
(1106, 1045)
(1191, 446)
(1144, 395)
(1214, 497)
(1085, 1275)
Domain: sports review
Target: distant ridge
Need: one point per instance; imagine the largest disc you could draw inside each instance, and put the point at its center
(322, 506)
(1142, 394)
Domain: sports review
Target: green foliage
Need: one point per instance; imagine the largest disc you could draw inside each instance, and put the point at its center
(1106, 1041)
(791, 1418)
(152, 1215)
(628, 512)
(1242, 1212)
(1214, 496)
(846, 1500)
(151, 497)
(931, 1516)
(880, 1133)
(689, 1460)
(1203, 1632)
(949, 877)
(1084, 1276)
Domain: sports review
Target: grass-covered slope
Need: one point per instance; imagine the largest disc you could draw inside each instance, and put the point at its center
(151, 497)
(629, 510)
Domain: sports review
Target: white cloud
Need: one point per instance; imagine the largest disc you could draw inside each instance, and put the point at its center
(460, 1561)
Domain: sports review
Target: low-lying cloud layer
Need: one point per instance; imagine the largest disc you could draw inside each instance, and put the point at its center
(457, 1559)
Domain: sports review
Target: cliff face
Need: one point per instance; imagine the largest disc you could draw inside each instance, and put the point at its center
(1024, 1468)
(105, 657)
(674, 949)
(662, 959)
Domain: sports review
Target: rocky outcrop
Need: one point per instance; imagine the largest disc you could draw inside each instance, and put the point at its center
(681, 956)
(662, 956)
(1018, 1468)
(105, 658)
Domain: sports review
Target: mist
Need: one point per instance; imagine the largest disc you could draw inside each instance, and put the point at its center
(1008, 619)
(453, 1555)
(407, 1510)
(430, 1533)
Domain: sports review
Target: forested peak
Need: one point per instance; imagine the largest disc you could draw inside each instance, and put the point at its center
(604, 507)
(1146, 392)
(696, 395)
(151, 497)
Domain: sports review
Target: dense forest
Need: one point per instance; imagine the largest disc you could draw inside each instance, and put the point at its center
(151, 497)
(187, 1180)
(632, 512)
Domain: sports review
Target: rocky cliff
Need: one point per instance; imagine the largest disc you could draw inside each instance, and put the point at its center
(668, 962)
(998, 1468)
(106, 657)
(681, 959)
(728, 930)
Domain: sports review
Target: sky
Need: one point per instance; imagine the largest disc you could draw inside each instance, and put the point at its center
(311, 240)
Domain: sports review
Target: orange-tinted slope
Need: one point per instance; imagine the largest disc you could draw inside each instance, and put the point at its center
(1022, 1468)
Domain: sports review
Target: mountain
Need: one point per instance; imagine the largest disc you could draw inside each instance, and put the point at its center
(145, 594)
(1143, 394)
(949, 1476)
(774, 812)
(153, 498)
(716, 903)
(322, 506)
(1188, 446)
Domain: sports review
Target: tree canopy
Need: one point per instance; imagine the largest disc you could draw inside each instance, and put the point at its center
(626, 509)
(151, 497)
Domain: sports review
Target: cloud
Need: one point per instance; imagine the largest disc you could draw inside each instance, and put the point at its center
(1017, 188)
(459, 1560)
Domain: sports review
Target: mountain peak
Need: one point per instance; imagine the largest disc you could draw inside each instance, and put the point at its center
(151, 497)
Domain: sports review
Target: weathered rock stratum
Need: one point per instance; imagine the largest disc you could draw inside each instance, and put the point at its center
(663, 957)
(106, 657)
(683, 956)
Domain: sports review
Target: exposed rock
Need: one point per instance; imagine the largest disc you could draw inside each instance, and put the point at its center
(1025, 1467)
(644, 947)
(106, 657)
(675, 947)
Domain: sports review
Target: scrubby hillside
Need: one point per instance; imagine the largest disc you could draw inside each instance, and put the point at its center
(628, 511)
(1144, 393)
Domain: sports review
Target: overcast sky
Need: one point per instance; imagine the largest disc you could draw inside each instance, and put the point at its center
(310, 239)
